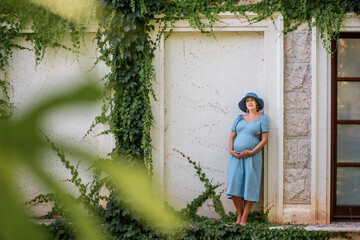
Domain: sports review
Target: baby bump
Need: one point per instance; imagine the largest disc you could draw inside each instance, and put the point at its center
(245, 143)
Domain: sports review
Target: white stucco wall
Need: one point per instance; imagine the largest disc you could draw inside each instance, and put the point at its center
(60, 71)
(204, 80)
(200, 80)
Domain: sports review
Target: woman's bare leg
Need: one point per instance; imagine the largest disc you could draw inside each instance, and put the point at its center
(238, 202)
(246, 212)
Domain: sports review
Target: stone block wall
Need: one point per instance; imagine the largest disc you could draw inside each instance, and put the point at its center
(297, 116)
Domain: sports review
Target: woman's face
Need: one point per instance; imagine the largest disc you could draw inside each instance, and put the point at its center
(251, 103)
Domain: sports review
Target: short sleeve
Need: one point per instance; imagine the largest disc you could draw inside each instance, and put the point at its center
(238, 119)
(264, 124)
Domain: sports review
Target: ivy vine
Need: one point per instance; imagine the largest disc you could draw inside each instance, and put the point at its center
(119, 220)
(209, 193)
(48, 31)
(88, 193)
(327, 16)
(125, 46)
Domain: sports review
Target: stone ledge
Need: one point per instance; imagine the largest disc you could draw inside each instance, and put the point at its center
(352, 227)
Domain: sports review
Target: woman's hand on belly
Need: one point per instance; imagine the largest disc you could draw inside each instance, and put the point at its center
(236, 154)
(246, 153)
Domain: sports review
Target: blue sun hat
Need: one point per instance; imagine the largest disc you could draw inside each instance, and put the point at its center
(242, 104)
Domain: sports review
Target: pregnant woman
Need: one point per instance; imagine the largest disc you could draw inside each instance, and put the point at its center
(249, 135)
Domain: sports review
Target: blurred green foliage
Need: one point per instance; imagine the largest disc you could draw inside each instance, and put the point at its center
(125, 46)
(21, 143)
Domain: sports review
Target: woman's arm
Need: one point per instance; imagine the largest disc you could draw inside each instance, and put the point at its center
(264, 139)
(231, 145)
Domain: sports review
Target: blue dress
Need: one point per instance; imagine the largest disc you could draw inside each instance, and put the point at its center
(244, 175)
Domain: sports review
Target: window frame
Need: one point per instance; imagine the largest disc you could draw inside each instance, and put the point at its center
(340, 212)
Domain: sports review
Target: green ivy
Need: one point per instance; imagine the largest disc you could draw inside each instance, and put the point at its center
(120, 221)
(60, 230)
(48, 31)
(125, 46)
(213, 229)
(88, 193)
(327, 16)
(127, 228)
(209, 193)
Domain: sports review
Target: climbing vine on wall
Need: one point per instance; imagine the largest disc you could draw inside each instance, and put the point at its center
(48, 31)
(125, 46)
(327, 16)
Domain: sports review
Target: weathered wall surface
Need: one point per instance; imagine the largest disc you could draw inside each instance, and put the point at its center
(297, 116)
(60, 71)
(204, 80)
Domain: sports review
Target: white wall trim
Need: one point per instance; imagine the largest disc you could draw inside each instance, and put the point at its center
(92, 27)
(274, 69)
(320, 132)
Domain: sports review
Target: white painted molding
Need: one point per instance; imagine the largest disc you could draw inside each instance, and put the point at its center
(90, 28)
(351, 23)
(314, 124)
(320, 131)
(273, 73)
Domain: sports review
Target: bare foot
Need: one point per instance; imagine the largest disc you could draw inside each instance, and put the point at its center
(238, 220)
(242, 223)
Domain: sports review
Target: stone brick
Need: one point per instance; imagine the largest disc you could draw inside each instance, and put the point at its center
(297, 125)
(291, 46)
(290, 153)
(304, 148)
(304, 47)
(290, 102)
(297, 185)
(297, 77)
(303, 101)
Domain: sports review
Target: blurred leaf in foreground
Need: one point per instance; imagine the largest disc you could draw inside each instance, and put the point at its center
(73, 10)
(20, 145)
(21, 141)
